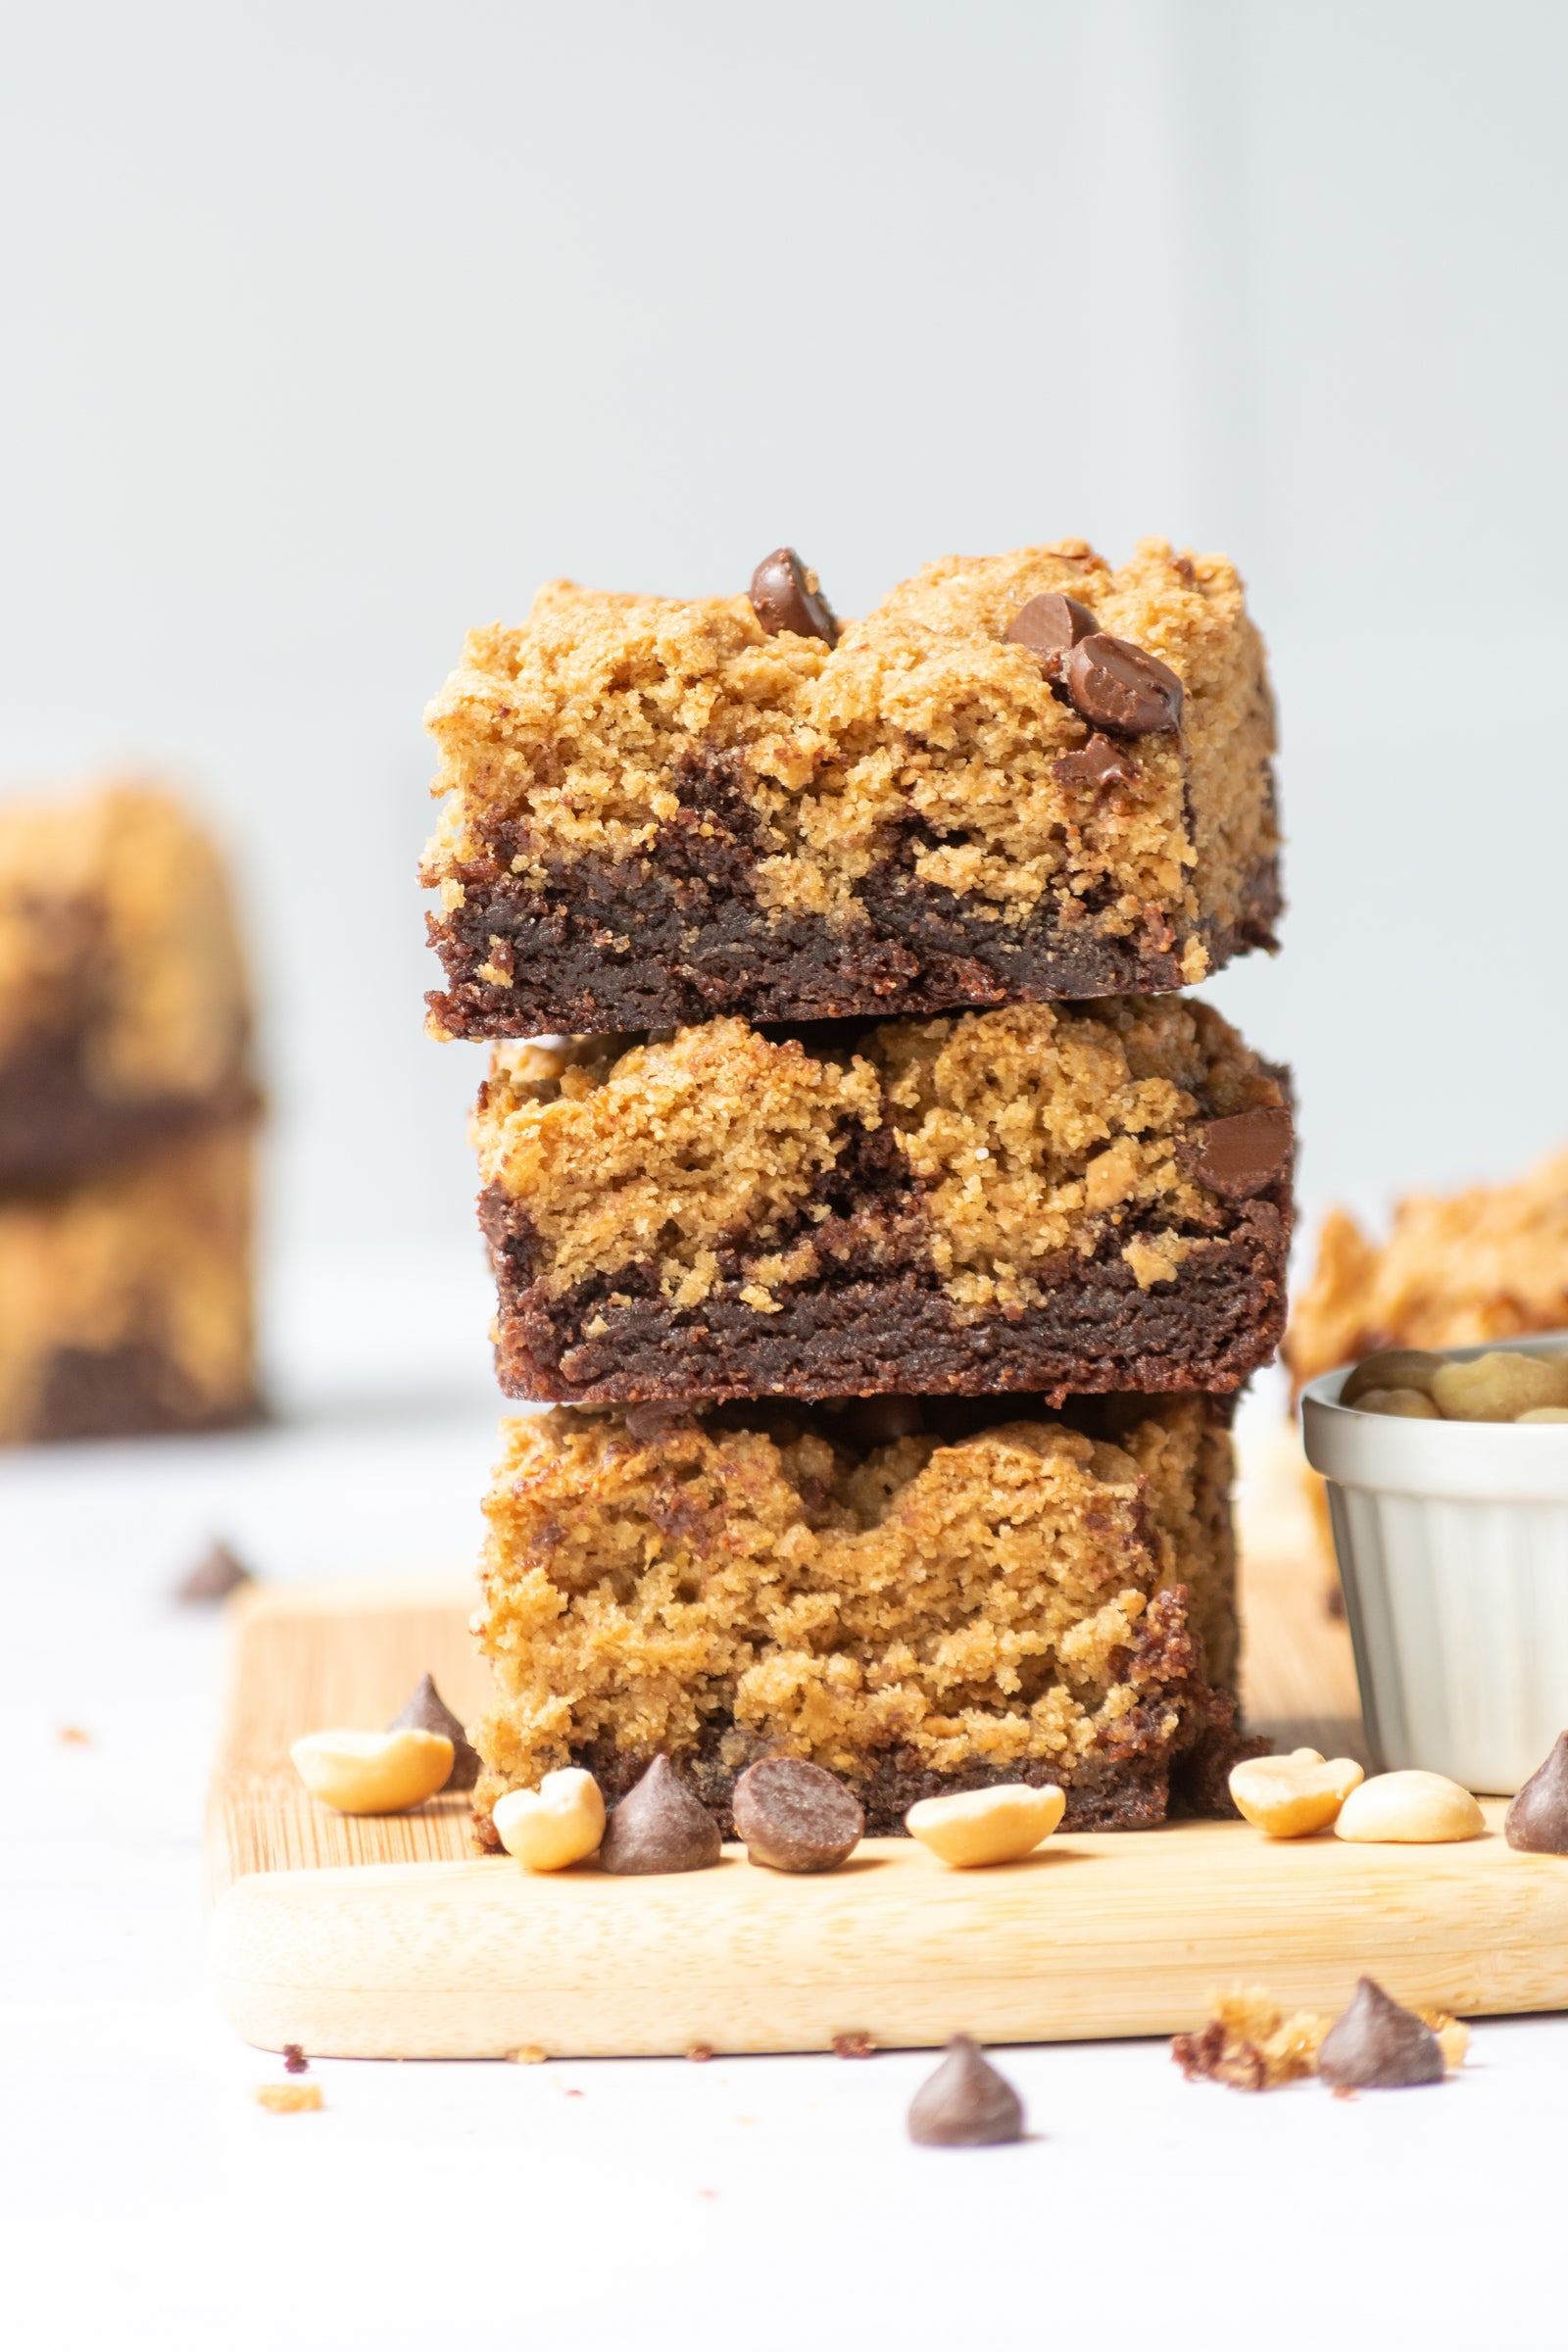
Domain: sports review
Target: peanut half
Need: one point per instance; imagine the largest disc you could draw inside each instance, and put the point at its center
(1291, 1797)
(1501, 1385)
(976, 1827)
(559, 1823)
(1409, 1808)
(1400, 1404)
(373, 1772)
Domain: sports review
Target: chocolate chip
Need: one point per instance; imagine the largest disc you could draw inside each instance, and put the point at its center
(796, 1816)
(1240, 1156)
(966, 2103)
(215, 1575)
(646, 1424)
(1049, 626)
(1376, 2046)
(295, 2061)
(1097, 767)
(659, 1826)
(1115, 684)
(882, 1420)
(1537, 1822)
(785, 596)
(428, 1711)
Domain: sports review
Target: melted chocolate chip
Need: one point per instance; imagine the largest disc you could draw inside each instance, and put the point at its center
(1114, 684)
(215, 1575)
(1100, 765)
(646, 1424)
(1376, 2046)
(1242, 1156)
(1537, 1822)
(966, 2103)
(428, 1711)
(796, 1816)
(659, 1826)
(1049, 626)
(785, 596)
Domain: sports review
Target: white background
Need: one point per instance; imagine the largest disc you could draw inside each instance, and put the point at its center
(329, 329)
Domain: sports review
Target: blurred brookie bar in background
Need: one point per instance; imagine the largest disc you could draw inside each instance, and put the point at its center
(127, 1112)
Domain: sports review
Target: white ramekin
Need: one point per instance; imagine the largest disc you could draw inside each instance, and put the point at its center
(1452, 1544)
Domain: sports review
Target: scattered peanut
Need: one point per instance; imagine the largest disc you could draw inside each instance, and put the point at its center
(1392, 1368)
(559, 1822)
(977, 1827)
(289, 2099)
(1408, 1808)
(1400, 1404)
(1291, 1797)
(372, 1771)
(1499, 1385)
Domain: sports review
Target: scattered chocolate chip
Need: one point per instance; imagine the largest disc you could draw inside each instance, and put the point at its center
(215, 1575)
(1376, 2046)
(1095, 767)
(882, 1420)
(1049, 626)
(1113, 683)
(295, 2061)
(966, 2103)
(796, 1816)
(785, 596)
(659, 1826)
(1537, 1822)
(428, 1711)
(1239, 1156)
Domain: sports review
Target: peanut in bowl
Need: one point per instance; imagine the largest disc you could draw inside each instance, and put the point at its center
(1450, 1525)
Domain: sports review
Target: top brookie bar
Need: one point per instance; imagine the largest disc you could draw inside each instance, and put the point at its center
(123, 1016)
(1021, 777)
(1047, 1199)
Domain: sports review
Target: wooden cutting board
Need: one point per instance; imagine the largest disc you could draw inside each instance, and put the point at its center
(387, 1939)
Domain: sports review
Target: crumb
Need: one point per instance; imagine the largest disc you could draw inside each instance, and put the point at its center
(289, 2099)
(853, 2045)
(71, 1735)
(700, 2052)
(575, 2094)
(530, 2054)
(294, 2059)
(711, 2193)
(1251, 2044)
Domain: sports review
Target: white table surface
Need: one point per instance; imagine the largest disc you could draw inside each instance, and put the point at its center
(764, 2202)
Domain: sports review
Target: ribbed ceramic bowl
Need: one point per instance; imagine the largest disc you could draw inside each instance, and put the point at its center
(1452, 1544)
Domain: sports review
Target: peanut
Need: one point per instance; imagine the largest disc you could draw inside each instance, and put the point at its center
(1545, 1412)
(373, 1772)
(559, 1822)
(1499, 1385)
(976, 1827)
(1291, 1797)
(1401, 1404)
(1409, 1808)
(1392, 1368)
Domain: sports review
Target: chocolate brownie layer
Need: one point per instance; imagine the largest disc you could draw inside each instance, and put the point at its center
(660, 811)
(920, 1597)
(52, 1120)
(652, 943)
(1042, 1198)
(133, 1391)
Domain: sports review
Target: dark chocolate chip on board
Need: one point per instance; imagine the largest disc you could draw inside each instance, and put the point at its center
(659, 1826)
(796, 1816)
(1049, 626)
(784, 596)
(1537, 1821)
(215, 1575)
(1240, 1156)
(966, 2103)
(1114, 684)
(1376, 2046)
(428, 1711)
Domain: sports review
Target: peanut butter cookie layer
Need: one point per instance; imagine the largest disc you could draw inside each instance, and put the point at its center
(1043, 1198)
(921, 1599)
(1020, 777)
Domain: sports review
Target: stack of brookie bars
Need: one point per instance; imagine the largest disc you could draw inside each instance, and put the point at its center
(887, 1231)
(127, 1111)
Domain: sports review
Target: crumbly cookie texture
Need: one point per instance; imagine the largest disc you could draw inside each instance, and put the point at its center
(128, 1296)
(1249, 2043)
(1458, 1269)
(988, 1144)
(116, 925)
(1024, 1600)
(663, 755)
